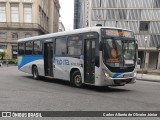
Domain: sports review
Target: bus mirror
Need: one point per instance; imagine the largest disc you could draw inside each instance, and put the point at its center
(100, 46)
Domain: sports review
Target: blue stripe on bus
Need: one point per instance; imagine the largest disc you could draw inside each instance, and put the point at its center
(23, 60)
(113, 75)
(116, 75)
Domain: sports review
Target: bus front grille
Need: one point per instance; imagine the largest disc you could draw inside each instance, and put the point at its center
(119, 82)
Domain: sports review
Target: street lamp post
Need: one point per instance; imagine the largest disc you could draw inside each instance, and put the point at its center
(145, 39)
(158, 49)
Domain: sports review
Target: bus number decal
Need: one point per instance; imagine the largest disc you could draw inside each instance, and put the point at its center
(61, 62)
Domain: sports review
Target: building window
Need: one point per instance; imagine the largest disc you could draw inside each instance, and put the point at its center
(3, 35)
(28, 35)
(14, 52)
(144, 26)
(21, 48)
(14, 13)
(122, 14)
(28, 13)
(42, 3)
(156, 4)
(61, 46)
(14, 35)
(2, 46)
(40, 15)
(2, 13)
(43, 22)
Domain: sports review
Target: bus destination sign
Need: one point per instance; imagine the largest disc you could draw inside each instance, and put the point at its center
(118, 33)
(75, 38)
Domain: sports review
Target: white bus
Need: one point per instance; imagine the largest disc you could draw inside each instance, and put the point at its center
(99, 56)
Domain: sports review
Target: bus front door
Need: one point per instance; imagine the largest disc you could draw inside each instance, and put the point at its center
(89, 61)
(48, 56)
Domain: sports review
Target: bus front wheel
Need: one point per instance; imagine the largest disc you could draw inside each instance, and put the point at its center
(76, 79)
(35, 72)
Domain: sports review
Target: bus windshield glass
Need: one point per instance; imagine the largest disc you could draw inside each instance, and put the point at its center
(119, 52)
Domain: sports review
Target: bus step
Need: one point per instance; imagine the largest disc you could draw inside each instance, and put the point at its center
(49, 77)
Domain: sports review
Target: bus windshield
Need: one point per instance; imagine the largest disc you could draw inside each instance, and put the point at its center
(119, 52)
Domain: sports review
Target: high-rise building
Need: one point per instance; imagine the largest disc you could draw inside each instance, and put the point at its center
(26, 18)
(80, 13)
(140, 16)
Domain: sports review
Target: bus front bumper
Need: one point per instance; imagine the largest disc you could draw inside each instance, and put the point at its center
(121, 81)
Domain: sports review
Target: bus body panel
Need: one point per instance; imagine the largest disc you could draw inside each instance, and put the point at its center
(25, 64)
(63, 66)
(109, 81)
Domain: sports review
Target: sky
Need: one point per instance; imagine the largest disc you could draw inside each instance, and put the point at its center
(67, 13)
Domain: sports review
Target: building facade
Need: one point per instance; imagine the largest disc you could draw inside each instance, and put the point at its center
(140, 16)
(61, 26)
(26, 18)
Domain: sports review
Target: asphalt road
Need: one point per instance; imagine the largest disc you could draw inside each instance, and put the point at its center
(19, 92)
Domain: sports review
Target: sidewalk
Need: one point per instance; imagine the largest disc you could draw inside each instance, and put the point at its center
(148, 77)
(10, 65)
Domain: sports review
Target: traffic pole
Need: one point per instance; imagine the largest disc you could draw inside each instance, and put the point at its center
(145, 39)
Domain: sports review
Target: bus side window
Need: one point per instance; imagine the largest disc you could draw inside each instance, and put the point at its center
(74, 47)
(37, 48)
(29, 48)
(61, 46)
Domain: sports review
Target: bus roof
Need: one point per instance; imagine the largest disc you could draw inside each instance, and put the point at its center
(76, 31)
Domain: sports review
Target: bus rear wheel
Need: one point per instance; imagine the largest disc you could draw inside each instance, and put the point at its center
(76, 79)
(35, 72)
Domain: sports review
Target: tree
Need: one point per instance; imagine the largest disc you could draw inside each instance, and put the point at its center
(2, 55)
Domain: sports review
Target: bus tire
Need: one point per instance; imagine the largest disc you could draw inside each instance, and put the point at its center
(35, 73)
(76, 79)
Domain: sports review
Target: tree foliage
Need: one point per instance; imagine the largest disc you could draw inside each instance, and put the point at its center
(2, 55)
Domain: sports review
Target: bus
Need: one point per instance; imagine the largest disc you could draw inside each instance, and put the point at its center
(99, 56)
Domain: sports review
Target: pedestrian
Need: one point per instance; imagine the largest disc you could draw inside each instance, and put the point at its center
(7, 63)
(0, 63)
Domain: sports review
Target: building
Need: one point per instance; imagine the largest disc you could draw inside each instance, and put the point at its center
(80, 13)
(61, 26)
(141, 16)
(26, 18)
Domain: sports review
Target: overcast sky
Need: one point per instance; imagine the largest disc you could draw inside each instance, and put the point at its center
(67, 13)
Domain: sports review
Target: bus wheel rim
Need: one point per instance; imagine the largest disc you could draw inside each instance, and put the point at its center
(78, 80)
(35, 73)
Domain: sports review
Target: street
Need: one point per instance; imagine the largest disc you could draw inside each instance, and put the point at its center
(19, 92)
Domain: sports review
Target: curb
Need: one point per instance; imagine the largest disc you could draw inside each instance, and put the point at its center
(149, 80)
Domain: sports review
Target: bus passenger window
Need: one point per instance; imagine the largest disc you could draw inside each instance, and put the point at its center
(37, 48)
(29, 48)
(61, 46)
(74, 47)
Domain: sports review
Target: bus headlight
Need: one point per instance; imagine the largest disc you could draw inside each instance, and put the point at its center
(106, 74)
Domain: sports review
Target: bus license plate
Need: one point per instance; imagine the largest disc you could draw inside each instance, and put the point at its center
(126, 75)
(122, 83)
